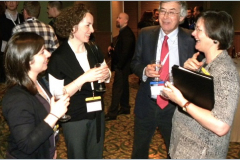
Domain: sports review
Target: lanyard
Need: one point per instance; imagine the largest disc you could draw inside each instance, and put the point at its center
(12, 18)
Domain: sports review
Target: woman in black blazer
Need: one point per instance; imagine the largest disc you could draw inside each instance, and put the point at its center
(30, 111)
(74, 63)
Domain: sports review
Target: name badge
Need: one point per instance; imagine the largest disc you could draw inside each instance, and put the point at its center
(93, 104)
(156, 87)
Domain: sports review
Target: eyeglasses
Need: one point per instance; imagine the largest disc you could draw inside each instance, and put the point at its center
(170, 13)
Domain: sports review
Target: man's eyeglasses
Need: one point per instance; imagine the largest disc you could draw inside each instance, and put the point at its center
(170, 13)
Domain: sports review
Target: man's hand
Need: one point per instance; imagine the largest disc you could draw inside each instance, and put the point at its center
(150, 71)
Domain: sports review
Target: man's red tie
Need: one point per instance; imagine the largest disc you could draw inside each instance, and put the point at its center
(162, 103)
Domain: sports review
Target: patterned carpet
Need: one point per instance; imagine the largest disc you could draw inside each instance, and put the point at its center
(118, 135)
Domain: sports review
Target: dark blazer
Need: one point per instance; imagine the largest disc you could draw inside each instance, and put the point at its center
(7, 25)
(145, 51)
(124, 49)
(29, 133)
(63, 64)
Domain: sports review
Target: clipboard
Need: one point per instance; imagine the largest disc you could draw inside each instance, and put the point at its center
(196, 87)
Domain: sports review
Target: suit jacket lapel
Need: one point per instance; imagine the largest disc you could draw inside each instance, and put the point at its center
(154, 41)
(182, 46)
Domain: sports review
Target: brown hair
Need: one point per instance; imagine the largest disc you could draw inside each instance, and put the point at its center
(219, 26)
(69, 18)
(19, 52)
(32, 8)
(56, 4)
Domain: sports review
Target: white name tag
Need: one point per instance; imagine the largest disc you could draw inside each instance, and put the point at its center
(156, 87)
(93, 104)
(156, 90)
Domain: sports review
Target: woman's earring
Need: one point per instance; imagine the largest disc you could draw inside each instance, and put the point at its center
(215, 41)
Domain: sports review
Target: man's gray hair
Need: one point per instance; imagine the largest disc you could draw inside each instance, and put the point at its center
(183, 4)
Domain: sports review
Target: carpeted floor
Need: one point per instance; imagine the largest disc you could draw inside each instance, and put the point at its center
(118, 135)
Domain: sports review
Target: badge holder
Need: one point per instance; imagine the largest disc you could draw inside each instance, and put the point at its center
(93, 103)
(156, 87)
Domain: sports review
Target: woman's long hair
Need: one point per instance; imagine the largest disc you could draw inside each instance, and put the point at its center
(19, 53)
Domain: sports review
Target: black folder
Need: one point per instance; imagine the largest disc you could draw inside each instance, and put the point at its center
(196, 87)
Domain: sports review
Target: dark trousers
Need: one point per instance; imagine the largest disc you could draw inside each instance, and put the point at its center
(81, 141)
(144, 129)
(120, 92)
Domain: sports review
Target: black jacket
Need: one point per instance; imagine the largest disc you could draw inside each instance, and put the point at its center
(124, 48)
(29, 133)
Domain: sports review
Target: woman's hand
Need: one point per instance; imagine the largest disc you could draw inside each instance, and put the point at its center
(193, 63)
(59, 108)
(172, 93)
(97, 74)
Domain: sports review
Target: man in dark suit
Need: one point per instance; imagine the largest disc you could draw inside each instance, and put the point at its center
(121, 59)
(150, 115)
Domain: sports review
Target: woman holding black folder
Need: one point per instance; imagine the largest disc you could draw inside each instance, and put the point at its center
(202, 133)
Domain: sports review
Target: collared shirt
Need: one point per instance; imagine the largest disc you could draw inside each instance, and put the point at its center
(172, 46)
(173, 49)
(40, 28)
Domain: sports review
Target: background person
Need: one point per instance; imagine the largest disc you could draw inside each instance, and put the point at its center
(197, 10)
(8, 21)
(27, 105)
(149, 114)
(204, 134)
(146, 20)
(74, 63)
(121, 59)
(31, 11)
(189, 20)
(54, 8)
(156, 16)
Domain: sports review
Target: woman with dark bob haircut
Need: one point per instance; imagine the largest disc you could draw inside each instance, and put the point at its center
(30, 111)
(201, 133)
(74, 63)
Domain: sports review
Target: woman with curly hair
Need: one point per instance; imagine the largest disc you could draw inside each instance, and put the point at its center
(74, 63)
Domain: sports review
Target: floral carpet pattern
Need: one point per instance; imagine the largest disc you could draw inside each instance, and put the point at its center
(118, 133)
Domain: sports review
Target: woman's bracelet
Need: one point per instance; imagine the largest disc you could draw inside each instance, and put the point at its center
(77, 85)
(54, 115)
(185, 106)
